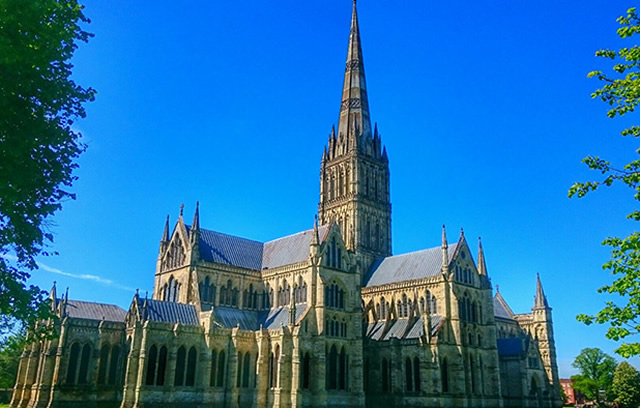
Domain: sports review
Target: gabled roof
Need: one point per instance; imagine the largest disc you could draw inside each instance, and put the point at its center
(245, 253)
(252, 320)
(400, 330)
(168, 312)
(79, 309)
(501, 308)
(414, 265)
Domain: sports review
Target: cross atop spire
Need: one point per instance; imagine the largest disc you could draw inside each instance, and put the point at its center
(355, 119)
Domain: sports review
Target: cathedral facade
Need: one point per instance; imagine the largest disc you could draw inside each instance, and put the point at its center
(324, 317)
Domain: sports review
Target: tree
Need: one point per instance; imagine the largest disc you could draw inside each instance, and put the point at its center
(38, 146)
(621, 91)
(596, 373)
(626, 385)
(10, 350)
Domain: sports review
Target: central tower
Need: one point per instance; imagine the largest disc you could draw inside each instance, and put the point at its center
(354, 172)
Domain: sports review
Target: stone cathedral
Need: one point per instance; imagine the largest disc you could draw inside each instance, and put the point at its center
(323, 317)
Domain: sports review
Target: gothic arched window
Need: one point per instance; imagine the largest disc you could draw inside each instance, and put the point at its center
(408, 380)
(246, 367)
(332, 369)
(416, 374)
(152, 358)
(221, 365)
(191, 367)
(180, 366)
(212, 376)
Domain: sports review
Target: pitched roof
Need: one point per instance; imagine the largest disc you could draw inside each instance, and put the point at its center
(405, 267)
(168, 312)
(79, 309)
(245, 253)
(252, 320)
(290, 249)
(398, 329)
(501, 308)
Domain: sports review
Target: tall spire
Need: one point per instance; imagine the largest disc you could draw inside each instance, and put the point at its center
(165, 233)
(195, 225)
(540, 300)
(354, 111)
(482, 265)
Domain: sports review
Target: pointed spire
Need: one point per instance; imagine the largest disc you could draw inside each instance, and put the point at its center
(165, 233)
(354, 111)
(181, 210)
(195, 225)
(52, 294)
(540, 300)
(445, 252)
(482, 266)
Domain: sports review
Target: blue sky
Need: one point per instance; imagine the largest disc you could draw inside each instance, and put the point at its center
(484, 107)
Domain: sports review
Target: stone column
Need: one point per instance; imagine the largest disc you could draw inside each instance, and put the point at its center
(132, 364)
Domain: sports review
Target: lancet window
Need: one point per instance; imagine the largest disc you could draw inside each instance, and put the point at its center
(171, 290)
(207, 291)
(337, 369)
(108, 368)
(78, 368)
(156, 365)
(334, 296)
(185, 373)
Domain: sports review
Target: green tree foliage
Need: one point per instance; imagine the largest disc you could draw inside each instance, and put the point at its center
(38, 146)
(621, 92)
(10, 351)
(596, 373)
(626, 386)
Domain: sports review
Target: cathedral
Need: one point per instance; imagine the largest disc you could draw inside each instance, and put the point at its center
(323, 317)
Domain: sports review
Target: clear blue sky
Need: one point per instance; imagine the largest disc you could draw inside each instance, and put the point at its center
(484, 107)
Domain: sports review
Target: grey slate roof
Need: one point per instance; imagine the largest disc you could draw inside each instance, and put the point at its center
(400, 330)
(405, 267)
(94, 311)
(245, 253)
(501, 308)
(291, 249)
(168, 312)
(251, 320)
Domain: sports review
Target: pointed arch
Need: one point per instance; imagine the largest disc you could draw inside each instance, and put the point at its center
(246, 367)
(332, 368)
(408, 375)
(152, 357)
(220, 370)
(180, 366)
(191, 367)
(342, 370)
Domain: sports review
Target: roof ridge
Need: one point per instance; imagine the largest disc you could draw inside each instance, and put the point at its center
(297, 233)
(228, 235)
(417, 251)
